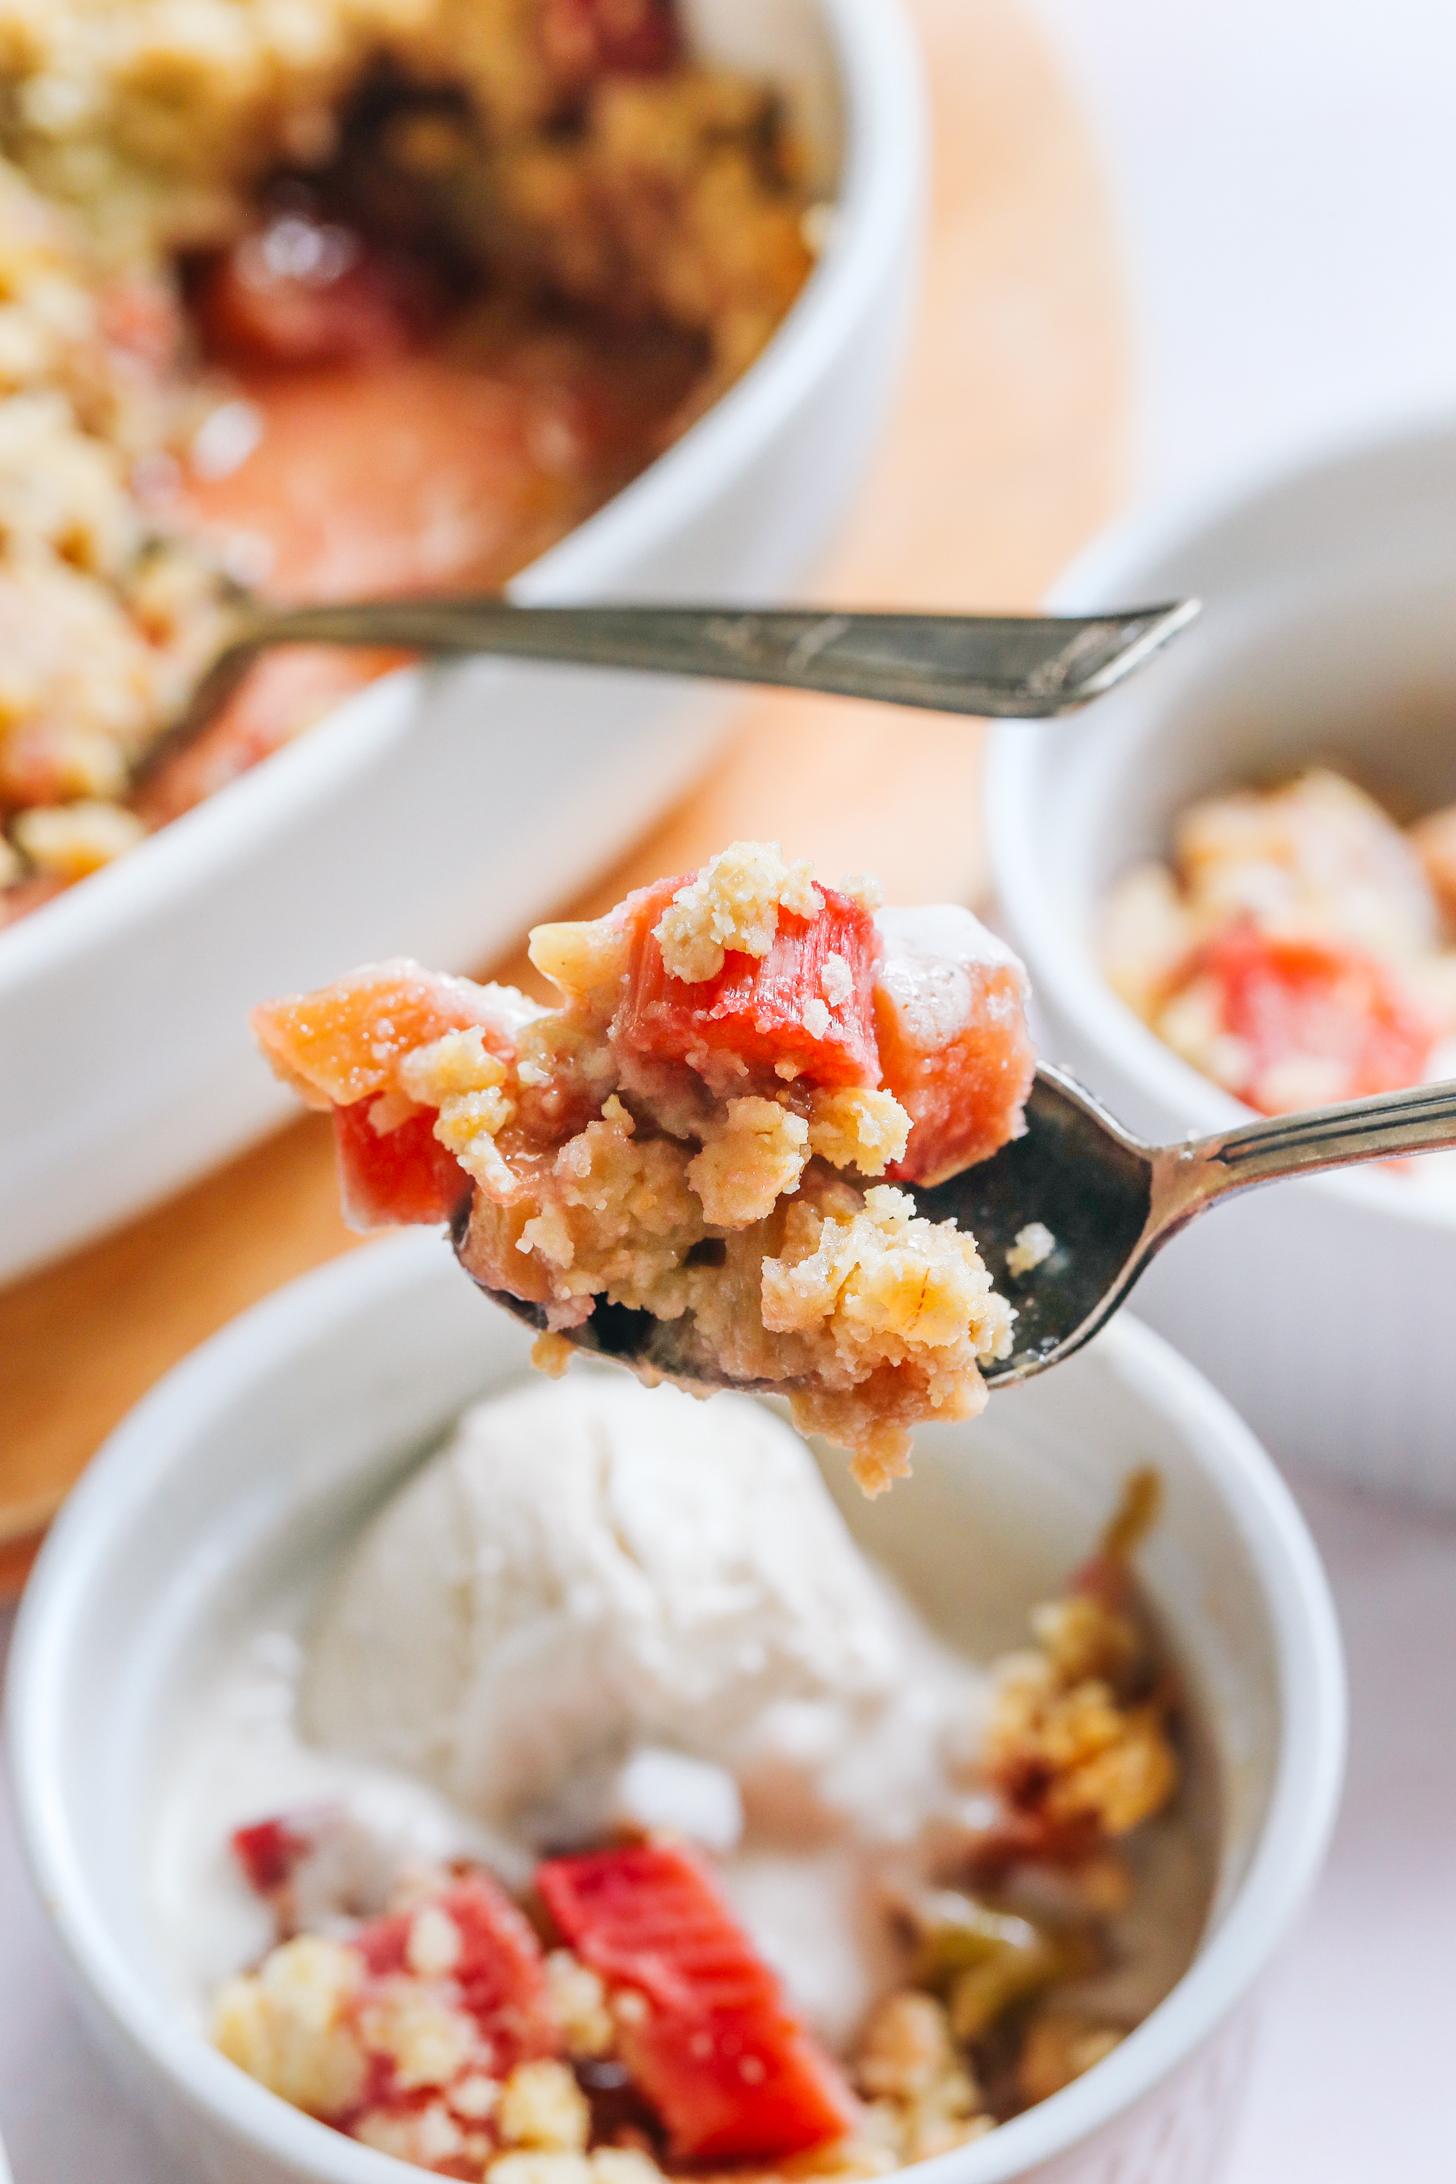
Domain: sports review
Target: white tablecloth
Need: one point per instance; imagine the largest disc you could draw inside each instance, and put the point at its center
(1286, 171)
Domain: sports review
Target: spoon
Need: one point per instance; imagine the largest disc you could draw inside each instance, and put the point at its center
(1014, 666)
(1110, 1201)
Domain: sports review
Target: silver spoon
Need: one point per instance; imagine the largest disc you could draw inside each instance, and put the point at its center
(1016, 666)
(1110, 1201)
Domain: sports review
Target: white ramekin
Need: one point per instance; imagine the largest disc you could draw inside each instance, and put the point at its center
(252, 1459)
(1321, 1309)
(438, 811)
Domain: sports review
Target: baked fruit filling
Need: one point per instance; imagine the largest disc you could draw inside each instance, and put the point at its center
(339, 298)
(714, 1126)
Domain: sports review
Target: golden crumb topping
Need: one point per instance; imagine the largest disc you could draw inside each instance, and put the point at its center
(754, 1158)
(542, 2105)
(887, 1281)
(289, 2025)
(733, 903)
(457, 1075)
(1032, 1247)
(67, 841)
(854, 1127)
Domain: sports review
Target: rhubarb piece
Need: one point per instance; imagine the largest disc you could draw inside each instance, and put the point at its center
(298, 290)
(488, 1953)
(407, 2033)
(711, 2040)
(590, 38)
(803, 1009)
(1312, 1020)
(270, 1851)
(345, 1042)
(394, 1178)
(955, 1049)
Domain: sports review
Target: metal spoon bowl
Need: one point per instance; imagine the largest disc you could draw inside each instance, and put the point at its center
(1110, 1201)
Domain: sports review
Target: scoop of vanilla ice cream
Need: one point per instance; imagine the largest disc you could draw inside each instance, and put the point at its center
(585, 1569)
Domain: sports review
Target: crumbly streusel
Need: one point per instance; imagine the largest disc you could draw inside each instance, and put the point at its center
(625, 181)
(697, 1133)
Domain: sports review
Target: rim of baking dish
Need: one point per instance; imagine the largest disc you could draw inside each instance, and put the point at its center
(878, 69)
(1116, 565)
(132, 1468)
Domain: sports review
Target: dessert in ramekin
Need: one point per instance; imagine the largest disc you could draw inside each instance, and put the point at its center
(362, 296)
(607, 1807)
(1325, 642)
(690, 1137)
(1297, 947)
(222, 1510)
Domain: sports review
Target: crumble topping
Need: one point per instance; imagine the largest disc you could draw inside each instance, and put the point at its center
(836, 981)
(289, 2024)
(858, 1128)
(744, 1168)
(925, 2095)
(1073, 1733)
(463, 1082)
(1031, 1247)
(545, 172)
(66, 841)
(888, 1293)
(541, 2105)
(734, 903)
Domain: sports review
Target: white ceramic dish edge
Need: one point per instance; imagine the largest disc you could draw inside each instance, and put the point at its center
(123, 1004)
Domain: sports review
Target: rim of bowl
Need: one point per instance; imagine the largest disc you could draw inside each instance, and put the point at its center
(1113, 566)
(877, 63)
(133, 1464)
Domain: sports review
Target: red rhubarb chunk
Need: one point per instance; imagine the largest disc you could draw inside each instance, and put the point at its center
(586, 38)
(271, 1851)
(394, 1178)
(804, 1010)
(498, 1973)
(1324, 1001)
(717, 2050)
(345, 1042)
(955, 1049)
(299, 290)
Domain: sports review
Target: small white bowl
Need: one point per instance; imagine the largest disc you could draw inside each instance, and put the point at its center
(437, 812)
(250, 1462)
(1319, 1308)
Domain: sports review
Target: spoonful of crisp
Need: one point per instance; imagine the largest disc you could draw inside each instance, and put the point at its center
(773, 1137)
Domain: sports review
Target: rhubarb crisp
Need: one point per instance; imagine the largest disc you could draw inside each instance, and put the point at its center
(1299, 947)
(705, 1150)
(600, 1892)
(337, 297)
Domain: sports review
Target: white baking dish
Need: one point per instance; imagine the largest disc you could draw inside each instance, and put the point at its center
(259, 1453)
(437, 812)
(1321, 1308)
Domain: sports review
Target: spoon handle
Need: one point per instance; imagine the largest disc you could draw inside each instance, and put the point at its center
(1017, 666)
(1422, 1120)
